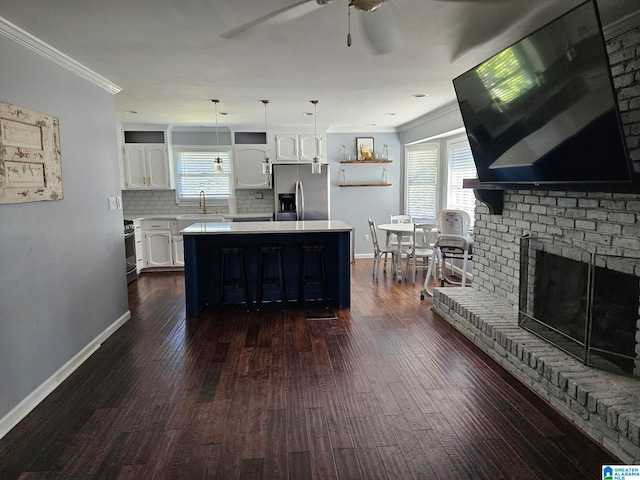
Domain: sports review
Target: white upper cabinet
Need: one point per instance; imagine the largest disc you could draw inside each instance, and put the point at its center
(146, 167)
(145, 160)
(247, 167)
(297, 147)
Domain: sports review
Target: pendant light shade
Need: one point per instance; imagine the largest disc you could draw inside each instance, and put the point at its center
(316, 166)
(217, 163)
(267, 165)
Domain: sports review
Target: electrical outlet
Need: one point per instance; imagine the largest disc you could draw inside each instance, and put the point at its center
(366, 237)
(258, 195)
(113, 203)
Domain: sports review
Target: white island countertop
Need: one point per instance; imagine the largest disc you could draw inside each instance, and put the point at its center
(248, 228)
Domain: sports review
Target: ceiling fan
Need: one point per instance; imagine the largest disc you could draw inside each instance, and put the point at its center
(381, 29)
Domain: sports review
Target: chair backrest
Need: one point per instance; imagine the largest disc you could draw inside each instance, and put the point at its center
(454, 222)
(400, 218)
(424, 235)
(374, 236)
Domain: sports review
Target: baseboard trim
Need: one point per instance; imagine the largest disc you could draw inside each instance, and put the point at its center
(32, 400)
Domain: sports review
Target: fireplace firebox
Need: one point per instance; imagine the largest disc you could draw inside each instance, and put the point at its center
(585, 303)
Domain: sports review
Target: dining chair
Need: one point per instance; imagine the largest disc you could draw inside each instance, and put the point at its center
(392, 238)
(421, 251)
(379, 251)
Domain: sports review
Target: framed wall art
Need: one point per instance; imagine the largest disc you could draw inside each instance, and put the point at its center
(364, 147)
(30, 163)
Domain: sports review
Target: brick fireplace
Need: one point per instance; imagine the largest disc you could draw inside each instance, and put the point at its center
(605, 405)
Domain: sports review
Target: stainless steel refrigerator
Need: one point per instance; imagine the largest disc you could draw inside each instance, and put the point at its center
(299, 194)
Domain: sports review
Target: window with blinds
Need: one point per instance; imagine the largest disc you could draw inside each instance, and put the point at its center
(461, 166)
(195, 171)
(421, 194)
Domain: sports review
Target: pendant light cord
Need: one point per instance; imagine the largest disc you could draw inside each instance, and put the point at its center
(218, 160)
(266, 125)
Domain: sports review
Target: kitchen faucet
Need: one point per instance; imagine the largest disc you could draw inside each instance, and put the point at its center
(203, 202)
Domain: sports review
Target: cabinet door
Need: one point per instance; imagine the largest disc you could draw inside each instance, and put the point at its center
(139, 237)
(309, 147)
(178, 250)
(134, 166)
(287, 147)
(247, 166)
(158, 252)
(157, 166)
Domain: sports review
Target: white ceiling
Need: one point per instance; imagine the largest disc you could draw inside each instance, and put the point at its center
(169, 58)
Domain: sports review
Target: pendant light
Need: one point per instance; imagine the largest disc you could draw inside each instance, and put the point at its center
(217, 163)
(316, 166)
(266, 161)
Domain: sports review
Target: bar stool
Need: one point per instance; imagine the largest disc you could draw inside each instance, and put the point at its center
(313, 254)
(275, 253)
(228, 254)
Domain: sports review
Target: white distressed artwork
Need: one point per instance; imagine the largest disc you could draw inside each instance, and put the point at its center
(30, 163)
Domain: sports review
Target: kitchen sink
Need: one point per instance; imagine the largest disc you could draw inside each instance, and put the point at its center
(189, 219)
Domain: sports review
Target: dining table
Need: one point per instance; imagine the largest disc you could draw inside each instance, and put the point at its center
(401, 231)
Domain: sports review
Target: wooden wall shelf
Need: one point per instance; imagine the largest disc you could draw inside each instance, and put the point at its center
(366, 161)
(366, 185)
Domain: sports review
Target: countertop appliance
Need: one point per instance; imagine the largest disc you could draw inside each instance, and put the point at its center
(299, 194)
(130, 251)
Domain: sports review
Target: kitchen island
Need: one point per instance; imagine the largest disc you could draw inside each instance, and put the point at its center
(202, 255)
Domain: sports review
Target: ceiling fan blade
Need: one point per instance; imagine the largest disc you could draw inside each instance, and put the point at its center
(381, 28)
(471, 1)
(283, 15)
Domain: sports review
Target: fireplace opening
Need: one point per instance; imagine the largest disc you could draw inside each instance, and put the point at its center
(589, 311)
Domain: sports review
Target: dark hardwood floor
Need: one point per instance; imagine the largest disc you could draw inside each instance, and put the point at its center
(385, 390)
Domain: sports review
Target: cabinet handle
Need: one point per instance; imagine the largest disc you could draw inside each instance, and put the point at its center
(236, 180)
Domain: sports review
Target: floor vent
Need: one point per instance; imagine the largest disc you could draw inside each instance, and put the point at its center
(320, 316)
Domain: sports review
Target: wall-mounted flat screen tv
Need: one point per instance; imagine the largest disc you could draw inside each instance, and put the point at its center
(544, 110)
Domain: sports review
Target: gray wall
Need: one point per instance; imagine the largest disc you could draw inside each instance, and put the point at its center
(354, 205)
(62, 278)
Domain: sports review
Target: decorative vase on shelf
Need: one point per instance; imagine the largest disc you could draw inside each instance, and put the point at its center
(343, 177)
(384, 176)
(385, 152)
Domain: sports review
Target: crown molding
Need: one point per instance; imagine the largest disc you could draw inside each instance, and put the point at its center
(446, 110)
(27, 40)
(621, 26)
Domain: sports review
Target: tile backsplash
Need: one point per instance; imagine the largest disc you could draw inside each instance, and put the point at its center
(158, 202)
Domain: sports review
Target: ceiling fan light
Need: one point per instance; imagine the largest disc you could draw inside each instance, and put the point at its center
(366, 5)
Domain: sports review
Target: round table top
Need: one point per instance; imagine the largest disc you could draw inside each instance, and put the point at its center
(400, 227)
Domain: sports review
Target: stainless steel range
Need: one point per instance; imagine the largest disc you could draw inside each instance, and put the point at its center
(130, 251)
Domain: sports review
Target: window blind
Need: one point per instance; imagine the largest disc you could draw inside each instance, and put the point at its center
(196, 173)
(461, 166)
(422, 180)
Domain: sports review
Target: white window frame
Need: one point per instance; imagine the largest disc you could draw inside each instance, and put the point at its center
(227, 167)
(454, 190)
(421, 147)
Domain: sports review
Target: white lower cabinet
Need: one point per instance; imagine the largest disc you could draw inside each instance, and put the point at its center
(139, 237)
(159, 249)
(163, 248)
(178, 250)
